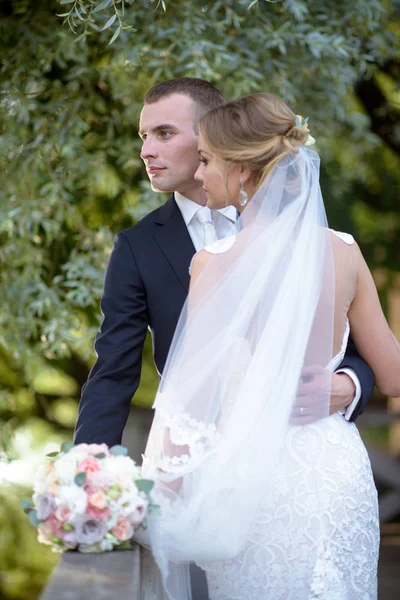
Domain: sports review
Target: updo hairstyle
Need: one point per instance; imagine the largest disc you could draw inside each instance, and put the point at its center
(257, 130)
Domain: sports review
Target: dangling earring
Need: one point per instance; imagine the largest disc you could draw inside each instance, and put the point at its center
(243, 195)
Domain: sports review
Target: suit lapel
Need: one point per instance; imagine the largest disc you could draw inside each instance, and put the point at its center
(173, 238)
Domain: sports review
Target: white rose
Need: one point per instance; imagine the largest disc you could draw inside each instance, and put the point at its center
(102, 479)
(106, 545)
(129, 501)
(113, 518)
(74, 497)
(122, 467)
(66, 467)
(43, 479)
(141, 511)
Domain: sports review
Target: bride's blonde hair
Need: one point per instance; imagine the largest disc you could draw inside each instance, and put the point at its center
(257, 130)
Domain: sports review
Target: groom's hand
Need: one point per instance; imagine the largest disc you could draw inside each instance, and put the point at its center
(343, 391)
(321, 392)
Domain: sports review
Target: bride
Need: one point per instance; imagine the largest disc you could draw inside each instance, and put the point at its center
(272, 497)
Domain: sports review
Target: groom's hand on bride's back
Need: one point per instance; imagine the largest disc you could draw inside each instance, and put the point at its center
(321, 393)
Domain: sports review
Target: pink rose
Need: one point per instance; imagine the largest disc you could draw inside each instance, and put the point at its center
(123, 530)
(98, 499)
(63, 513)
(89, 466)
(50, 528)
(100, 514)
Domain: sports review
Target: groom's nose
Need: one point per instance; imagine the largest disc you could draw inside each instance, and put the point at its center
(149, 149)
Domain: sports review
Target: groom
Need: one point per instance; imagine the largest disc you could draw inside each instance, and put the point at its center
(147, 278)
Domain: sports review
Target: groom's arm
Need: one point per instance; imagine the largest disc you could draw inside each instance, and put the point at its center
(113, 380)
(354, 368)
(350, 388)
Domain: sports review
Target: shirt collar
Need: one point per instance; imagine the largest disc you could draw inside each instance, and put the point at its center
(189, 208)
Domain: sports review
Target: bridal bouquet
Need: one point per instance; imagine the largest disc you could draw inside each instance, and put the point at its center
(89, 498)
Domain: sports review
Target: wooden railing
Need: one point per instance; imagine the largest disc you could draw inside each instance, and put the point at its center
(108, 576)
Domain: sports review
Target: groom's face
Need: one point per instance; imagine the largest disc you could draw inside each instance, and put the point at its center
(169, 148)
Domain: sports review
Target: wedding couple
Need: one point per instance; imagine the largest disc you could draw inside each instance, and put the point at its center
(262, 478)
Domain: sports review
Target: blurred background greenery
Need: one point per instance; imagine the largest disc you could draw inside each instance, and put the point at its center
(71, 177)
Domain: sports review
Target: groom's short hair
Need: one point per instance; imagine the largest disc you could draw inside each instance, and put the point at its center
(203, 93)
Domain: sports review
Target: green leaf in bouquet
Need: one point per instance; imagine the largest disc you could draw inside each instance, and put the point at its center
(124, 546)
(26, 504)
(66, 446)
(94, 549)
(57, 540)
(142, 525)
(52, 454)
(100, 455)
(154, 509)
(144, 485)
(67, 527)
(33, 518)
(80, 479)
(114, 491)
(119, 450)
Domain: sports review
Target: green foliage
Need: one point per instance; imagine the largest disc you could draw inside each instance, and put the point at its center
(26, 504)
(118, 450)
(24, 564)
(144, 485)
(66, 447)
(80, 479)
(33, 518)
(69, 151)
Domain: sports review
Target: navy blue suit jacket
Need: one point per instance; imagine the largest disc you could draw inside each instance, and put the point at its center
(146, 285)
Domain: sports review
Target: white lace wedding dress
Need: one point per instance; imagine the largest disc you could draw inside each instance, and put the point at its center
(317, 532)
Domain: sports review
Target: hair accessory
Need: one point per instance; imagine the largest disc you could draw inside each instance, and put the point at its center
(303, 124)
(243, 195)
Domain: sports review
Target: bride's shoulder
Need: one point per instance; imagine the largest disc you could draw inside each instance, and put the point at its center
(347, 238)
(202, 257)
(199, 261)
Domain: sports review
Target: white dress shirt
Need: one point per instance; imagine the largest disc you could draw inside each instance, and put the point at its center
(223, 220)
(353, 376)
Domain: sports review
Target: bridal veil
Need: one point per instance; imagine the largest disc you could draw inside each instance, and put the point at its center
(258, 317)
